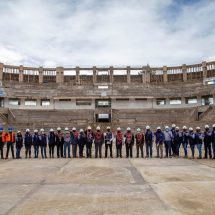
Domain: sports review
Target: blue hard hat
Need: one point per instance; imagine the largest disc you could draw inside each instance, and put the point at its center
(1, 129)
(10, 129)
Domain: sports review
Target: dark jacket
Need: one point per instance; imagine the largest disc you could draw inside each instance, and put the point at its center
(177, 138)
(108, 137)
(191, 138)
(36, 140)
(198, 138)
(159, 137)
(19, 141)
(52, 138)
(184, 137)
(139, 139)
(28, 139)
(129, 140)
(207, 137)
(149, 136)
(81, 139)
(43, 140)
(59, 139)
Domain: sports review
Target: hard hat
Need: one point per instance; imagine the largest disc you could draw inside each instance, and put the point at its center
(98, 128)
(66, 129)
(42, 130)
(173, 125)
(74, 129)
(213, 125)
(35, 131)
(18, 132)
(108, 127)
(190, 129)
(10, 129)
(81, 130)
(89, 127)
(198, 128)
(59, 129)
(147, 127)
(138, 129)
(206, 126)
(1, 129)
(184, 127)
(118, 129)
(27, 130)
(177, 128)
(166, 127)
(51, 130)
(158, 128)
(128, 129)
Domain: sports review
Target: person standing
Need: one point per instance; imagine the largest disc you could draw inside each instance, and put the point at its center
(74, 142)
(191, 140)
(199, 141)
(43, 142)
(59, 143)
(184, 140)
(159, 139)
(99, 140)
(52, 142)
(81, 142)
(139, 137)
(108, 136)
(173, 129)
(149, 138)
(19, 144)
(207, 142)
(2, 141)
(89, 141)
(177, 141)
(36, 143)
(168, 141)
(67, 142)
(28, 143)
(129, 142)
(119, 142)
(213, 140)
(10, 138)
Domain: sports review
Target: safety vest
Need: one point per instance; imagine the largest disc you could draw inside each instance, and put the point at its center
(10, 137)
(3, 137)
(139, 138)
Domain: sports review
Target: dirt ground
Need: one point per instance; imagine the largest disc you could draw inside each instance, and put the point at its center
(107, 186)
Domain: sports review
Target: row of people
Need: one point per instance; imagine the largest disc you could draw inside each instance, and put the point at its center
(63, 141)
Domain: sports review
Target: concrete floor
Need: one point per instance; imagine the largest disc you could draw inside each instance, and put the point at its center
(107, 186)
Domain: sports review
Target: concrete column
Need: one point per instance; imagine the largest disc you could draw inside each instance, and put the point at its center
(94, 75)
(184, 72)
(128, 68)
(144, 76)
(77, 77)
(111, 75)
(204, 69)
(40, 75)
(1, 71)
(21, 70)
(165, 79)
(59, 75)
(148, 74)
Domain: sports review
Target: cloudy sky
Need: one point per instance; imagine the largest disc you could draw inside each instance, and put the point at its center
(106, 32)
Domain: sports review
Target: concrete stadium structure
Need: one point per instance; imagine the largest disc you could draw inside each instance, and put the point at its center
(116, 96)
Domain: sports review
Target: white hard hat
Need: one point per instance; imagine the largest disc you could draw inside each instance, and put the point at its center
(206, 126)
(18, 131)
(198, 128)
(138, 129)
(59, 129)
(89, 127)
(74, 129)
(190, 129)
(173, 125)
(213, 125)
(35, 131)
(27, 130)
(98, 128)
(66, 129)
(166, 127)
(42, 130)
(51, 130)
(81, 130)
(147, 127)
(184, 127)
(128, 129)
(177, 128)
(158, 128)
(108, 127)
(118, 129)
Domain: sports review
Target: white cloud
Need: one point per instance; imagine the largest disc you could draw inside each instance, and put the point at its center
(108, 32)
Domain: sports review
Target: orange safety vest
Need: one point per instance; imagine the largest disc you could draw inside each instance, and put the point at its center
(8, 137)
(3, 136)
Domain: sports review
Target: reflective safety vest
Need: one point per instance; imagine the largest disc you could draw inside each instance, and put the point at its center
(10, 137)
(3, 137)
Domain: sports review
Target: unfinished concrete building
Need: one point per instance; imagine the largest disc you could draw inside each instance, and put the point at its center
(116, 96)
